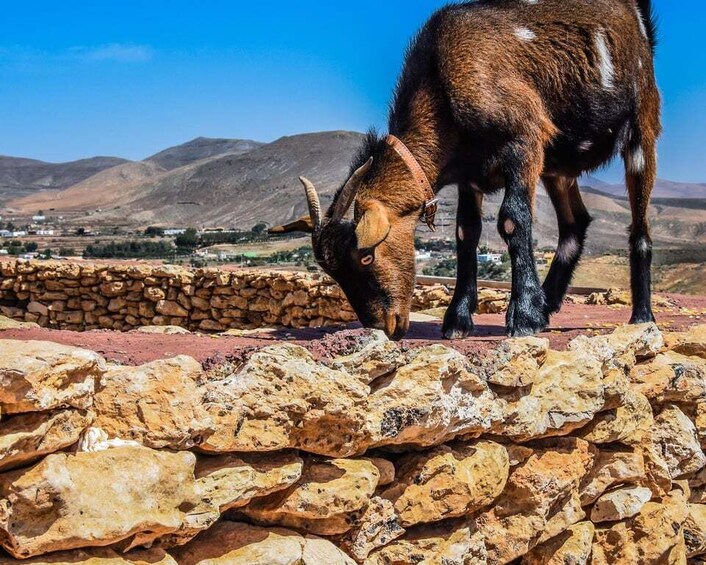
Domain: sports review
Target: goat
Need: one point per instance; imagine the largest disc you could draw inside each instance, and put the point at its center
(498, 94)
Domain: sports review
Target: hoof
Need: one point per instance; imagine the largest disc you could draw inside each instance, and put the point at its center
(457, 325)
(527, 317)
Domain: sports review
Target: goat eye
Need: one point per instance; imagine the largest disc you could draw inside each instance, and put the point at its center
(367, 260)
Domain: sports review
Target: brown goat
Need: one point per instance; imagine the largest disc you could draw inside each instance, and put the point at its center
(499, 93)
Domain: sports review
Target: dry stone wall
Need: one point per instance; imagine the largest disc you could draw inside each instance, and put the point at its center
(373, 454)
(84, 296)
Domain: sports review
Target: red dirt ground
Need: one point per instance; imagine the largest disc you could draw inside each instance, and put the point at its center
(575, 319)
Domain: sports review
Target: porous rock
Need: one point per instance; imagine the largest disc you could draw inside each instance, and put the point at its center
(39, 375)
(327, 500)
(27, 437)
(157, 404)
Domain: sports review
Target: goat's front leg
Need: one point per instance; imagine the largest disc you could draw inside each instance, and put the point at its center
(458, 321)
(522, 167)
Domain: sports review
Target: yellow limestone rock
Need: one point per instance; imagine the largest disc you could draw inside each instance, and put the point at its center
(610, 469)
(27, 437)
(94, 499)
(572, 547)
(372, 356)
(690, 342)
(10, 324)
(536, 491)
(377, 527)
(675, 437)
(431, 400)
(157, 404)
(566, 395)
(622, 346)
(653, 537)
(98, 556)
(280, 399)
(628, 424)
(327, 500)
(570, 513)
(515, 362)
(38, 375)
(695, 530)
(620, 504)
(232, 543)
(437, 544)
(231, 481)
(448, 482)
(671, 377)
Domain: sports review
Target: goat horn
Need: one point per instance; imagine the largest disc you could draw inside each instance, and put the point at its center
(312, 199)
(349, 191)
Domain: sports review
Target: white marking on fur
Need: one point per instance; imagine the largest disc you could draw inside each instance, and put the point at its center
(525, 34)
(531, 1)
(606, 61)
(568, 250)
(461, 235)
(643, 247)
(639, 63)
(636, 160)
(585, 145)
(641, 22)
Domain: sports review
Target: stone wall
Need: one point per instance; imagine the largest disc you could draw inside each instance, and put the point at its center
(370, 454)
(83, 296)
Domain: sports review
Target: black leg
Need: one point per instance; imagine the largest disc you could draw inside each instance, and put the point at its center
(527, 311)
(458, 321)
(641, 172)
(573, 220)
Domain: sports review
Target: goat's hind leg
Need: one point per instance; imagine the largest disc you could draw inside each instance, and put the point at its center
(458, 321)
(573, 221)
(522, 163)
(640, 158)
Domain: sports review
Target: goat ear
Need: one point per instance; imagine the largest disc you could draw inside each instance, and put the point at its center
(303, 224)
(374, 225)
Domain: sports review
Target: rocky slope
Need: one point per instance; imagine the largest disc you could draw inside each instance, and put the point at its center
(372, 454)
(201, 148)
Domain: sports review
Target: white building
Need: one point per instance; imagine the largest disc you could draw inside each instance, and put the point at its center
(495, 258)
(5, 233)
(175, 231)
(45, 232)
(39, 218)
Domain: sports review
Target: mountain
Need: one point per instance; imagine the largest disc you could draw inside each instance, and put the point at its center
(29, 174)
(98, 191)
(229, 190)
(201, 148)
(665, 189)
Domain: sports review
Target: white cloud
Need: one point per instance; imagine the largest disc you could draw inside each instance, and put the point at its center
(118, 52)
(109, 52)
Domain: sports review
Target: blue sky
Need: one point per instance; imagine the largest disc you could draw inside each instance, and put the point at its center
(129, 78)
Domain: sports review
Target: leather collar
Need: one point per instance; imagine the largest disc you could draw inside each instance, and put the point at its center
(431, 203)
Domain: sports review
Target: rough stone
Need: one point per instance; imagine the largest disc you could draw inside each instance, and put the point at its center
(309, 406)
(654, 536)
(630, 423)
(671, 377)
(458, 544)
(232, 543)
(377, 527)
(515, 362)
(675, 437)
(534, 493)
(547, 412)
(98, 556)
(372, 357)
(328, 498)
(610, 469)
(448, 482)
(231, 481)
(27, 437)
(431, 400)
(572, 547)
(695, 530)
(10, 324)
(690, 342)
(39, 375)
(157, 404)
(620, 504)
(72, 501)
